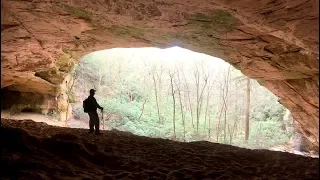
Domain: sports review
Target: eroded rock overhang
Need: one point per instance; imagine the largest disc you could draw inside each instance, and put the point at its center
(275, 42)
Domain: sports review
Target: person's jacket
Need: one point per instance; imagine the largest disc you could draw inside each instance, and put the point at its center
(93, 104)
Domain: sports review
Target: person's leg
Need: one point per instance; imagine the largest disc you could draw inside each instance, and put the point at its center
(97, 123)
(91, 121)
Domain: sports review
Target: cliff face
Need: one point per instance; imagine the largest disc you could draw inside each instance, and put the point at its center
(275, 42)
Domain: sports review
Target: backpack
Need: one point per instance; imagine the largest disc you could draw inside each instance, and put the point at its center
(86, 105)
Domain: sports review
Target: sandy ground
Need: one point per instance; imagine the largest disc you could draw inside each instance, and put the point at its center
(84, 124)
(40, 151)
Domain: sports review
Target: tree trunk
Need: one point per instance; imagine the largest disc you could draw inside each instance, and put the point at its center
(189, 99)
(230, 134)
(225, 99)
(159, 95)
(200, 94)
(235, 128)
(225, 126)
(207, 107)
(182, 117)
(219, 113)
(156, 93)
(178, 85)
(174, 108)
(247, 110)
(209, 127)
(197, 78)
(225, 89)
(142, 109)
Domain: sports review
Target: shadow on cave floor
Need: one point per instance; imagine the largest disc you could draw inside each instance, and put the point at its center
(84, 124)
(40, 151)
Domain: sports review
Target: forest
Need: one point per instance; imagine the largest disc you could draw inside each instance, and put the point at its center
(180, 95)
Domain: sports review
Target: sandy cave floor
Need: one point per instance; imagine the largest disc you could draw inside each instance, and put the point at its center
(33, 150)
(84, 124)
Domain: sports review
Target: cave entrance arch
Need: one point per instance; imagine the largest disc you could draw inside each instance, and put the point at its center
(94, 67)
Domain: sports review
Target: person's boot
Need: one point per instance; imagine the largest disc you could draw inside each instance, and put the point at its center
(90, 131)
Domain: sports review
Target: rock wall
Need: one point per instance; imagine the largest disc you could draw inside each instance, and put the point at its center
(17, 101)
(273, 41)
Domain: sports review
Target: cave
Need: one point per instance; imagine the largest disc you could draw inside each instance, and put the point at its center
(274, 42)
(15, 101)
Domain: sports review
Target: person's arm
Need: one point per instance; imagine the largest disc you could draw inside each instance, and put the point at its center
(97, 104)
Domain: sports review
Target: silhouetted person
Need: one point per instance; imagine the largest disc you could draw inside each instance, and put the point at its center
(91, 109)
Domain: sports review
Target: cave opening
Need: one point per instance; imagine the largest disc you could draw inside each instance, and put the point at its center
(171, 93)
(140, 92)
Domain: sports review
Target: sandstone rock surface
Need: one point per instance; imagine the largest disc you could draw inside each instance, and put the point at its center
(273, 41)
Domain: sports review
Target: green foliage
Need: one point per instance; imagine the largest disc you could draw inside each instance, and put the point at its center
(263, 135)
(262, 111)
(123, 87)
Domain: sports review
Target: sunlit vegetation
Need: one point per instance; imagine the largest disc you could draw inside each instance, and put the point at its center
(183, 97)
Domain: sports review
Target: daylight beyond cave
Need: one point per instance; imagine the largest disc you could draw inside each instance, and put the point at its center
(178, 94)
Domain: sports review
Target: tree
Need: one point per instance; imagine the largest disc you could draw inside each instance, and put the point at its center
(178, 85)
(156, 78)
(225, 102)
(128, 92)
(233, 129)
(159, 77)
(171, 75)
(247, 110)
(210, 86)
(142, 109)
(199, 90)
(224, 89)
(246, 87)
(189, 99)
(207, 112)
(218, 117)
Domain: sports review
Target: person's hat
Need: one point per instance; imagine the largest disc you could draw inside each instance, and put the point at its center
(92, 90)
